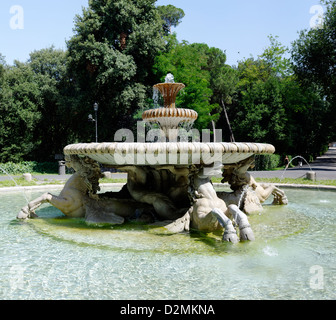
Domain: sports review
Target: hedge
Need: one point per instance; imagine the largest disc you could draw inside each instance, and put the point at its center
(29, 167)
(267, 162)
(262, 162)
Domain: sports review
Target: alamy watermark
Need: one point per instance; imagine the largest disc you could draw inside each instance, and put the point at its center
(316, 281)
(316, 21)
(129, 153)
(321, 280)
(16, 278)
(16, 22)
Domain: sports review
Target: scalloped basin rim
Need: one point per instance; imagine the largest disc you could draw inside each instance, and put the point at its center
(173, 153)
(157, 114)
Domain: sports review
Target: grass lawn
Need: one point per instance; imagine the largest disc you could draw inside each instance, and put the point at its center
(289, 181)
(23, 183)
(38, 182)
(297, 181)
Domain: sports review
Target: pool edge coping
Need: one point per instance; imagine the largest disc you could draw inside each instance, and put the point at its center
(120, 185)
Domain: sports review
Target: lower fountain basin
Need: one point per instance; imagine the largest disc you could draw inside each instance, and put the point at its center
(60, 258)
(174, 153)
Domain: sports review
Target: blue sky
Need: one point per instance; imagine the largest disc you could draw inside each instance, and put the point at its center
(240, 27)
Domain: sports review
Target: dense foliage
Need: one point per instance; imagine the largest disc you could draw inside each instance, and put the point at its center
(271, 105)
(314, 56)
(110, 60)
(121, 48)
(171, 17)
(189, 64)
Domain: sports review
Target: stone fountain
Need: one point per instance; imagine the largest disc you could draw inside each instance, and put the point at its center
(168, 182)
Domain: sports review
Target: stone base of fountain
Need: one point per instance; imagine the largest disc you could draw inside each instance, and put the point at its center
(178, 198)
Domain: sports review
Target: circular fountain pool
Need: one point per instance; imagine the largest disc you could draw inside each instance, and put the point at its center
(54, 257)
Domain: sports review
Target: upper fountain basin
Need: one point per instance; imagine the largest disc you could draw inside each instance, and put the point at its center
(158, 115)
(169, 92)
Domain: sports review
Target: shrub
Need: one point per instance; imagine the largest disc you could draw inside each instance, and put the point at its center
(45, 167)
(267, 162)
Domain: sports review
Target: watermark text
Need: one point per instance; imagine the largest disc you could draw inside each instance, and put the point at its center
(16, 21)
(316, 21)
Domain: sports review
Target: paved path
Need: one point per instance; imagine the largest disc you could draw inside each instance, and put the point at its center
(324, 166)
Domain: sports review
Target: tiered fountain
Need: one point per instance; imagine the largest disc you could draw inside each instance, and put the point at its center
(169, 118)
(293, 256)
(169, 183)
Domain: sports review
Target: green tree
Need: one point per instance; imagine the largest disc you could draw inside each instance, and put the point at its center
(55, 128)
(272, 106)
(276, 57)
(305, 110)
(223, 83)
(171, 17)
(188, 63)
(260, 112)
(36, 107)
(110, 60)
(2, 67)
(19, 113)
(314, 62)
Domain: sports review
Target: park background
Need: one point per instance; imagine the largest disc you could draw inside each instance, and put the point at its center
(261, 72)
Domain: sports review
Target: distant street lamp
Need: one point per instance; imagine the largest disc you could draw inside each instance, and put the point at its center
(90, 118)
(95, 108)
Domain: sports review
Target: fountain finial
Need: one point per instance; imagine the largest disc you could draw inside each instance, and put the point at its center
(169, 90)
(169, 78)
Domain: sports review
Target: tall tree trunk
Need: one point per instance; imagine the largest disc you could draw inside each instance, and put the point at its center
(123, 37)
(232, 139)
